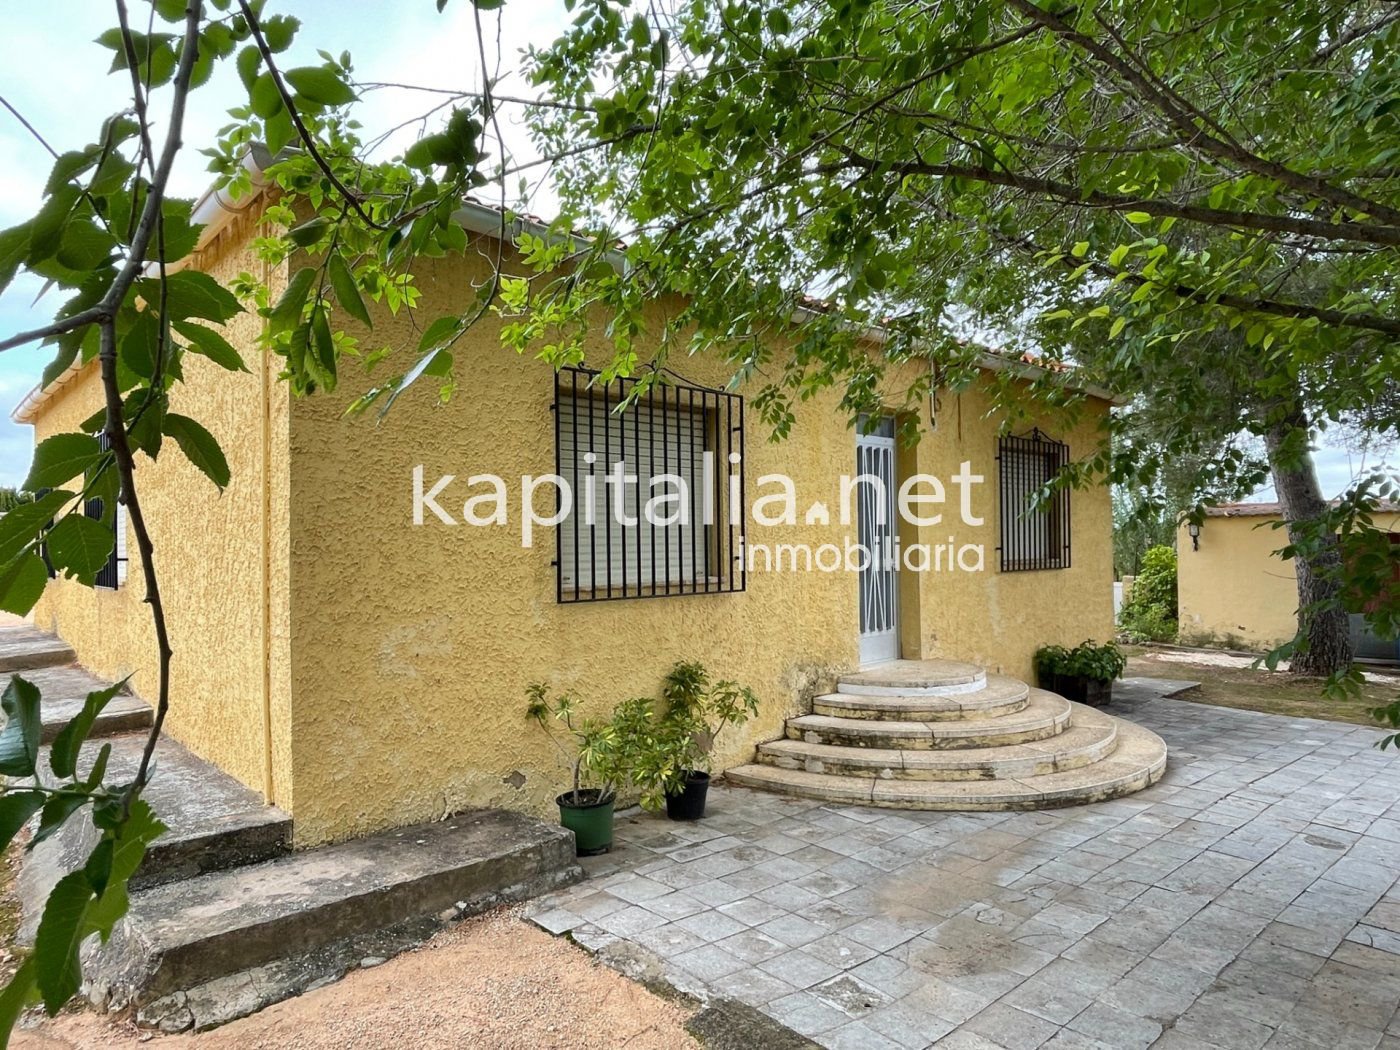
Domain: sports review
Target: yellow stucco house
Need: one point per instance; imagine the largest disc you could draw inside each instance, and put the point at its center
(345, 651)
(1234, 590)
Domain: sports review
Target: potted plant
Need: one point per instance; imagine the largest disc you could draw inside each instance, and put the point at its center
(1083, 674)
(592, 756)
(696, 713)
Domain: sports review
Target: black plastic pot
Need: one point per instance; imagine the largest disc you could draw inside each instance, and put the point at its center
(1095, 692)
(689, 802)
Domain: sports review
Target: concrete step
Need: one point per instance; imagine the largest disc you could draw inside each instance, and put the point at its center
(913, 678)
(999, 695)
(1138, 760)
(25, 647)
(204, 951)
(214, 822)
(1044, 715)
(65, 688)
(1092, 739)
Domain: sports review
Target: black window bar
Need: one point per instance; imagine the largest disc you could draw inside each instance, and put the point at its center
(110, 575)
(1033, 535)
(678, 429)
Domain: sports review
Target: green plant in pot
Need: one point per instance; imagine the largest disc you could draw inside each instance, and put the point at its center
(1083, 674)
(697, 711)
(592, 756)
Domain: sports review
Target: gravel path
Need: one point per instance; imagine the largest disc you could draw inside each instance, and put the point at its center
(493, 983)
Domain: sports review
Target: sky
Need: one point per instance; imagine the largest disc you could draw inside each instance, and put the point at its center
(54, 73)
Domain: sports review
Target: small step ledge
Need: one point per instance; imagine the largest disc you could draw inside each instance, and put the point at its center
(1045, 715)
(999, 695)
(204, 951)
(26, 647)
(1138, 761)
(1092, 739)
(914, 678)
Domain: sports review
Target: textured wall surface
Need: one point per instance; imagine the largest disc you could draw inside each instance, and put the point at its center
(1235, 591)
(413, 645)
(209, 551)
(999, 619)
(366, 672)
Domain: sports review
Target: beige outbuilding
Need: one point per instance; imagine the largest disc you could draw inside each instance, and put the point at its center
(1235, 591)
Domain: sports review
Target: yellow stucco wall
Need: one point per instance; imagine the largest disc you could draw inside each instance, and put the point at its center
(368, 672)
(413, 646)
(225, 599)
(1235, 591)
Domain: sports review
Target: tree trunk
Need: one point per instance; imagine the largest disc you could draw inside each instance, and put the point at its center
(1324, 632)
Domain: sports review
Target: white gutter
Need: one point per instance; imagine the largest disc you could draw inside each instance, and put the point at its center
(214, 210)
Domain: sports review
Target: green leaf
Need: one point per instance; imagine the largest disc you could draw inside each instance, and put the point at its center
(22, 584)
(1138, 217)
(21, 526)
(16, 807)
(265, 99)
(192, 294)
(57, 969)
(17, 995)
(249, 61)
(138, 346)
(63, 753)
(19, 740)
(347, 292)
(1080, 249)
(320, 85)
(309, 232)
(80, 544)
(61, 458)
(131, 839)
(287, 313)
(278, 31)
(199, 447)
(323, 349)
(56, 811)
(439, 331)
(205, 341)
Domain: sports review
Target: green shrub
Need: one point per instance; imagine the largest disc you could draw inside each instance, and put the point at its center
(1103, 663)
(1149, 615)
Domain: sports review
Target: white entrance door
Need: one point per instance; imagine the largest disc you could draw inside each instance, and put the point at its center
(879, 580)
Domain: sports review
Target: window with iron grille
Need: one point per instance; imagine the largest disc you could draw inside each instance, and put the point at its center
(1035, 531)
(674, 444)
(113, 574)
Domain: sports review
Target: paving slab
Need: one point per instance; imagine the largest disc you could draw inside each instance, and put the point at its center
(1249, 898)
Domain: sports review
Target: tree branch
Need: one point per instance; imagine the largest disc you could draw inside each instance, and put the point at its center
(349, 196)
(1096, 199)
(1274, 307)
(1189, 120)
(107, 355)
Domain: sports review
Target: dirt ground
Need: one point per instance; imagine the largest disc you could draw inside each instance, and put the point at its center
(494, 982)
(1229, 680)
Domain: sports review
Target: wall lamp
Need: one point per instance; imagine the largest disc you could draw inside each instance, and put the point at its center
(1194, 531)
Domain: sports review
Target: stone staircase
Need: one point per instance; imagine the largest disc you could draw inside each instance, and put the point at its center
(225, 917)
(938, 734)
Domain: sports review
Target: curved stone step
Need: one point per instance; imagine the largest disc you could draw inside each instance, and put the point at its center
(1139, 759)
(1044, 715)
(999, 695)
(914, 678)
(1092, 739)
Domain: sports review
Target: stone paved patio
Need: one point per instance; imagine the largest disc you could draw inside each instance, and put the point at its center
(1248, 900)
